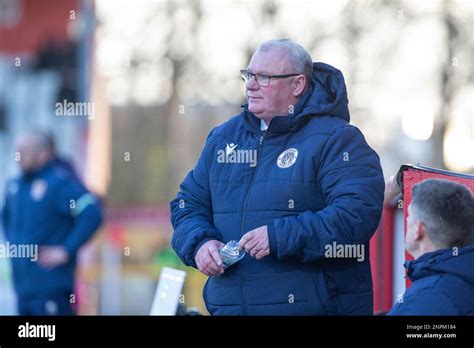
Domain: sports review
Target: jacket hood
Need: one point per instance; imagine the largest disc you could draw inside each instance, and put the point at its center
(458, 262)
(326, 96)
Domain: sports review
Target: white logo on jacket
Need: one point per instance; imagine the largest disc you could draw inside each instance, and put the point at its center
(38, 189)
(229, 149)
(287, 158)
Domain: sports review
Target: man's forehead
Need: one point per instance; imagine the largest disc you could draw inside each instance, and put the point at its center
(27, 140)
(23, 140)
(273, 61)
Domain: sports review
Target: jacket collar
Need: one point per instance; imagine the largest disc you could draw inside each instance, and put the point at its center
(40, 171)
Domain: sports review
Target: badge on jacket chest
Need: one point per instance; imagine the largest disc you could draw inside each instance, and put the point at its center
(287, 158)
(38, 189)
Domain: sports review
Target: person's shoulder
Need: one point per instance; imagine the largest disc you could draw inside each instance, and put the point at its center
(452, 289)
(425, 283)
(335, 130)
(228, 129)
(15, 179)
(423, 287)
(330, 125)
(453, 285)
(12, 185)
(59, 175)
(442, 293)
(230, 125)
(433, 285)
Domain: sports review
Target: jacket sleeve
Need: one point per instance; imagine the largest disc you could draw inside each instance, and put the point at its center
(191, 210)
(352, 185)
(85, 209)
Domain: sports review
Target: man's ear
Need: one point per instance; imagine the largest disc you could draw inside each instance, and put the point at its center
(299, 84)
(420, 231)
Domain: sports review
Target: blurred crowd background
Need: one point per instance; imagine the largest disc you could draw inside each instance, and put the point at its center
(161, 74)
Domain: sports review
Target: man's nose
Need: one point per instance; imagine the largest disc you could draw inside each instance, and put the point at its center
(251, 83)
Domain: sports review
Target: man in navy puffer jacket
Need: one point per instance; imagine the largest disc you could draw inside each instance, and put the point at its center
(300, 192)
(440, 217)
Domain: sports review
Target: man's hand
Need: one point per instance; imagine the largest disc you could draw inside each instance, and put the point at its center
(208, 259)
(256, 243)
(392, 191)
(52, 256)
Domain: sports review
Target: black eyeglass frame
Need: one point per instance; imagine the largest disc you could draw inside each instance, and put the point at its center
(245, 73)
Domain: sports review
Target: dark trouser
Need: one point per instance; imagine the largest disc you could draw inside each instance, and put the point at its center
(51, 304)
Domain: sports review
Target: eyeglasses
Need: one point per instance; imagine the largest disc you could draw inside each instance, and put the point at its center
(262, 79)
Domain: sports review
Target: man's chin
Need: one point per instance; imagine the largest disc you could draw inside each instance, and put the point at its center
(253, 109)
(27, 170)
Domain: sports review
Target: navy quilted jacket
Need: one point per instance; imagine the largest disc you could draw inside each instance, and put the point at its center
(315, 183)
(443, 284)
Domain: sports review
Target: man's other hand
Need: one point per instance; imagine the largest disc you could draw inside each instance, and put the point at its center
(208, 259)
(256, 243)
(52, 256)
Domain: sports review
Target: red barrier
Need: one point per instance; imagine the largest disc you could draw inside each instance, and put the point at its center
(381, 259)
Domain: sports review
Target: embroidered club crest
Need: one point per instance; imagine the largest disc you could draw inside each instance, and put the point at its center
(38, 189)
(287, 158)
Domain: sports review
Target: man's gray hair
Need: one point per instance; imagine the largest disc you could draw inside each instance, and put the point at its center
(43, 139)
(299, 56)
(447, 210)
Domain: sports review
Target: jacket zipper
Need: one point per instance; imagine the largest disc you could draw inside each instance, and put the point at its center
(259, 149)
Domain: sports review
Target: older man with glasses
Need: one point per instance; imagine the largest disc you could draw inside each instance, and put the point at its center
(313, 198)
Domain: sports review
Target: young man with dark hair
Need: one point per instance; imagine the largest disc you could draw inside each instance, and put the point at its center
(440, 218)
